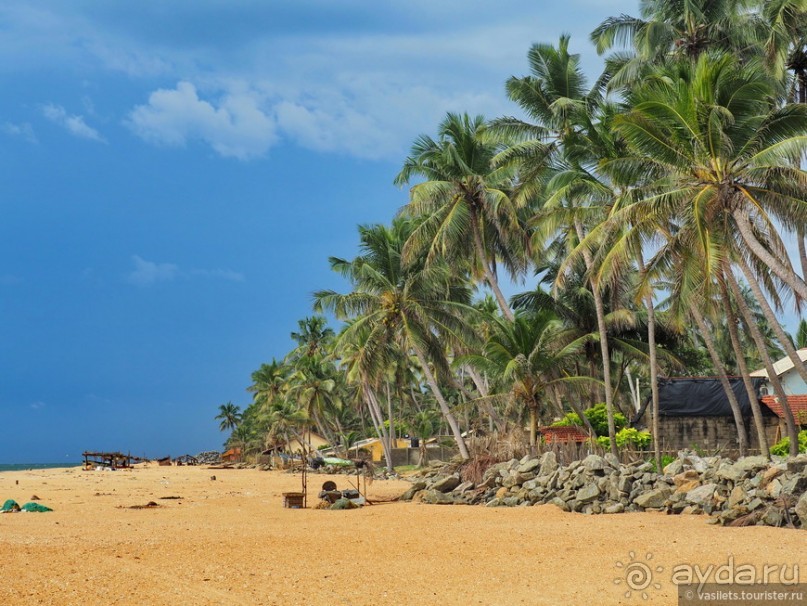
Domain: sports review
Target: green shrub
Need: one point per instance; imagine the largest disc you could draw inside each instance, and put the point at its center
(630, 436)
(627, 437)
(604, 441)
(597, 416)
(782, 447)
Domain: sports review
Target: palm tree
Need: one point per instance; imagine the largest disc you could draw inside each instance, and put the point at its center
(229, 415)
(669, 30)
(531, 356)
(423, 426)
(464, 206)
(555, 95)
(286, 421)
(313, 336)
(314, 387)
(365, 368)
(716, 156)
(801, 334)
(269, 382)
(404, 308)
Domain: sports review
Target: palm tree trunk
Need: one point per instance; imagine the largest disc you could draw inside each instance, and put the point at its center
(606, 356)
(483, 391)
(490, 278)
(756, 335)
(651, 343)
(770, 317)
(800, 233)
(731, 321)
(392, 433)
(533, 426)
(579, 412)
(378, 423)
(447, 414)
(742, 439)
(785, 273)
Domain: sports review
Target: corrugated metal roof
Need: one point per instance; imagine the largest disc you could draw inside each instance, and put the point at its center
(780, 367)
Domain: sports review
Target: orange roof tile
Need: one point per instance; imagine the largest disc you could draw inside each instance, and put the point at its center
(798, 405)
(570, 433)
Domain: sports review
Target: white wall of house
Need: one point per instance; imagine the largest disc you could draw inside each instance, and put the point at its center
(792, 383)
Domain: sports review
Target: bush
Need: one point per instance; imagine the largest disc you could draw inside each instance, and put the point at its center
(597, 416)
(627, 437)
(630, 436)
(782, 447)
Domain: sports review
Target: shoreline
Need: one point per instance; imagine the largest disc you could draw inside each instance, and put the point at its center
(230, 539)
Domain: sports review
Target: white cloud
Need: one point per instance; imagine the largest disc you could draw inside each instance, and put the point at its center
(146, 273)
(24, 130)
(235, 126)
(359, 79)
(74, 124)
(37, 405)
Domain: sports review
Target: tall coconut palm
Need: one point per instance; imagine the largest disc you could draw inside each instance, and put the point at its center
(286, 421)
(313, 336)
(464, 204)
(409, 308)
(314, 387)
(269, 382)
(229, 415)
(717, 156)
(531, 356)
(677, 29)
(555, 96)
(365, 367)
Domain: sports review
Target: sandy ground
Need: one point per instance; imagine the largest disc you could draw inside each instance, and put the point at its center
(231, 541)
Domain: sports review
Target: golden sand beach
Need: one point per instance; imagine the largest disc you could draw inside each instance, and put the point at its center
(230, 541)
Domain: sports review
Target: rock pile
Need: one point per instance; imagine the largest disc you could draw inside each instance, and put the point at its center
(752, 490)
(209, 457)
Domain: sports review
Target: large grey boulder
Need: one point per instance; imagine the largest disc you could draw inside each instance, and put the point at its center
(416, 487)
(594, 463)
(529, 465)
(446, 484)
(588, 493)
(435, 497)
(549, 463)
(801, 510)
(701, 494)
(654, 498)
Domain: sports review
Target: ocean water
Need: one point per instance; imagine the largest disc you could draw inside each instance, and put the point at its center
(24, 466)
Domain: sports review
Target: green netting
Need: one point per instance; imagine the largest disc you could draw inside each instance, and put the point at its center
(10, 505)
(35, 508)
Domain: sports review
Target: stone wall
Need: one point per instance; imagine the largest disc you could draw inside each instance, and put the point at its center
(712, 434)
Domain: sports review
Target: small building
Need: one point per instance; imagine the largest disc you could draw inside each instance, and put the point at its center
(375, 449)
(231, 456)
(312, 442)
(564, 434)
(695, 413)
(791, 380)
(798, 406)
(793, 385)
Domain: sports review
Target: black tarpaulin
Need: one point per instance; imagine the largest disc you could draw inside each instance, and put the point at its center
(686, 397)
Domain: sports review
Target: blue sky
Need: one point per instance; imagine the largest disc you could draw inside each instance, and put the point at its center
(176, 174)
